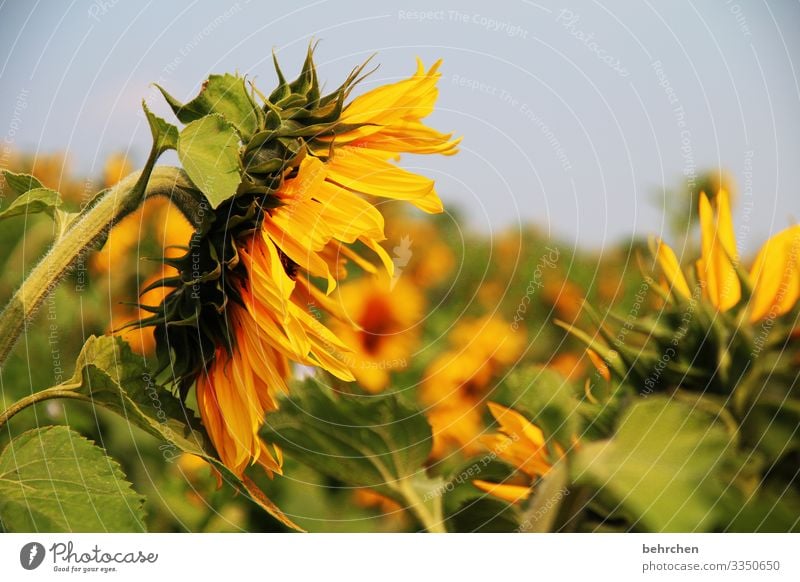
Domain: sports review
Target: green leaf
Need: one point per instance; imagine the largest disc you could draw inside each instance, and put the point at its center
(548, 496)
(32, 197)
(208, 148)
(225, 95)
(365, 441)
(773, 425)
(484, 515)
(21, 183)
(165, 135)
(768, 510)
(458, 486)
(54, 480)
(109, 374)
(32, 202)
(663, 467)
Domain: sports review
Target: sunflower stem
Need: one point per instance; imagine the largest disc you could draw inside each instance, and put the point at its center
(429, 515)
(88, 231)
(41, 395)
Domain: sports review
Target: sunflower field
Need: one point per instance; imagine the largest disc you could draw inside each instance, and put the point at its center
(288, 331)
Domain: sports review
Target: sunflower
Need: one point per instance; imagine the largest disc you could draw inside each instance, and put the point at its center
(459, 380)
(254, 294)
(419, 253)
(522, 444)
(378, 322)
(774, 278)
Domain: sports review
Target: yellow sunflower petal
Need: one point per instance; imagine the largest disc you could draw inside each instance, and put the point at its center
(718, 251)
(363, 171)
(513, 423)
(776, 275)
(509, 493)
(672, 269)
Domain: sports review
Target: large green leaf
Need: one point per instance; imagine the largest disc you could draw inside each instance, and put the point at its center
(31, 198)
(54, 480)
(364, 441)
(208, 148)
(225, 95)
(110, 375)
(663, 467)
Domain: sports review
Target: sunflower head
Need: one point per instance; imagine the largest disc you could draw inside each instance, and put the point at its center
(251, 292)
(275, 134)
(717, 324)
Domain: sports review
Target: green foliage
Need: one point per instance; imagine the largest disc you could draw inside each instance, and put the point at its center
(362, 441)
(225, 95)
(31, 198)
(109, 374)
(663, 467)
(549, 400)
(541, 512)
(365, 441)
(209, 151)
(54, 480)
(165, 135)
(484, 515)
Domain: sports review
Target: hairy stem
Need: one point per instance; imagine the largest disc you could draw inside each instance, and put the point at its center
(89, 232)
(48, 394)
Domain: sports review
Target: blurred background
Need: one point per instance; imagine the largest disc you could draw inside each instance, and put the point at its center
(587, 126)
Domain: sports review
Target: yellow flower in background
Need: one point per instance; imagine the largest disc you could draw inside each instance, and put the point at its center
(418, 251)
(52, 170)
(506, 491)
(776, 275)
(672, 269)
(716, 267)
(565, 297)
(453, 398)
(156, 218)
(457, 381)
(569, 365)
(168, 228)
(491, 338)
(308, 237)
(521, 444)
(192, 465)
(123, 316)
(379, 322)
(117, 167)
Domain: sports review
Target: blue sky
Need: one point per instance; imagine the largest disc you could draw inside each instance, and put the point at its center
(574, 114)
